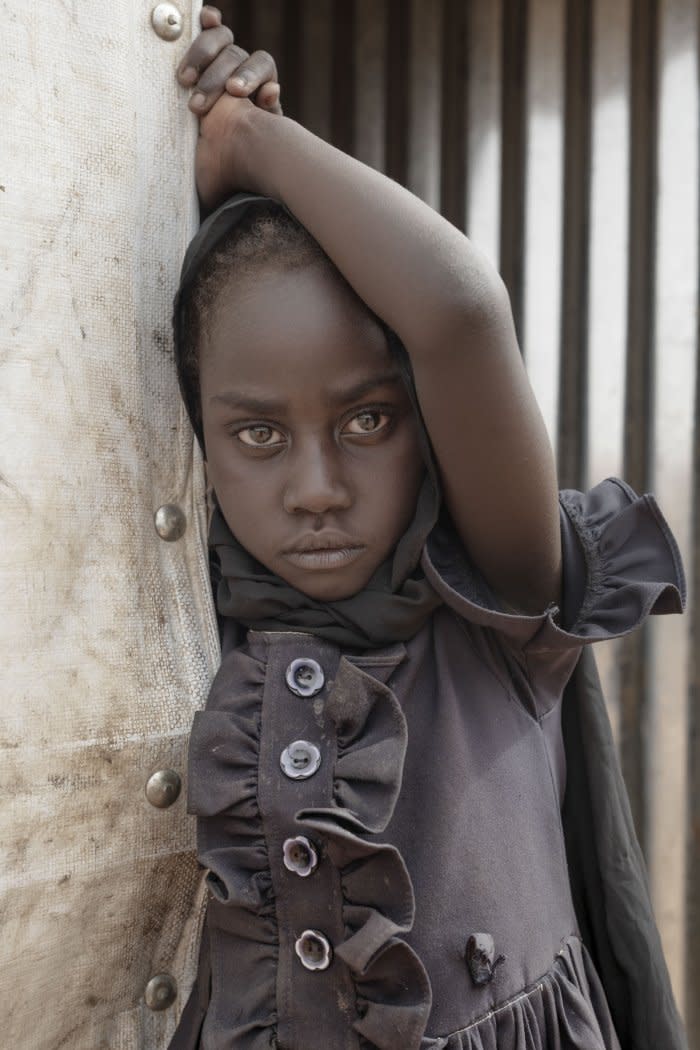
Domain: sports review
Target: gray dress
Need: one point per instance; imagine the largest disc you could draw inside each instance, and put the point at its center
(383, 830)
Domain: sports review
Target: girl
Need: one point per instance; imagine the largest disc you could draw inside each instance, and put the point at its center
(380, 772)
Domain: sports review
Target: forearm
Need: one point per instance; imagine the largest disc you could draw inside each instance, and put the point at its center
(414, 269)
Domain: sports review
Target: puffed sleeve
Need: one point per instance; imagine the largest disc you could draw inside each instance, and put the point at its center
(620, 563)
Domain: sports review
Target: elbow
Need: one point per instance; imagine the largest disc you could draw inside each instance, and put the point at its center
(473, 316)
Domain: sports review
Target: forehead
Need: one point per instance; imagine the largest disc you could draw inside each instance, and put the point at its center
(281, 331)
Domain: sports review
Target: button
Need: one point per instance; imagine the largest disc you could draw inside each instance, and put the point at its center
(170, 522)
(305, 677)
(314, 950)
(300, 760)
(299, 856)
(479, 954)
(163, 788)
(161, 992)
(167, 21)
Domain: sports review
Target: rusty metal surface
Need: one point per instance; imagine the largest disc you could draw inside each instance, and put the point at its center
(107, 639)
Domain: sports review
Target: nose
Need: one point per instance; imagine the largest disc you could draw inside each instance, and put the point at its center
(316, 483)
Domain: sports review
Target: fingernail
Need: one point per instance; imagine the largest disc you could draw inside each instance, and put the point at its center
(239, 81)
(198, 100)
(189, 75)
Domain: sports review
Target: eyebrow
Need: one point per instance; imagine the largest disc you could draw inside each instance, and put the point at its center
(250, 403)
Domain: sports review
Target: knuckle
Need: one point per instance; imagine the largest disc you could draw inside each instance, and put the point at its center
(265, 61)
(211, 81)
(237, 53)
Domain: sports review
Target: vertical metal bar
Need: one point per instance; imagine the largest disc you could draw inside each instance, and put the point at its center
(675, 285)
(369, 83)
(316, 60)
(544, 203)
(266, 19)
(642, 221)
(610, 160)
(638, 430)
(289, 60)
(424, 138)
(607, 321)
(343, 75)
(574, 313)
(454, 113)
(515, 23)
(484, 101)
(398, 43)
(236, 14)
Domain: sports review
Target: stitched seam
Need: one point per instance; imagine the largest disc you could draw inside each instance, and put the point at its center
(589, 539)
(538, 985)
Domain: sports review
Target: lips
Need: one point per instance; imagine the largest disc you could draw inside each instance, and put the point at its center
(322, 541)
(323, 551)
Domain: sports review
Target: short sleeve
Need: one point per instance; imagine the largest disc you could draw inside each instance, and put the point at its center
(620, 564)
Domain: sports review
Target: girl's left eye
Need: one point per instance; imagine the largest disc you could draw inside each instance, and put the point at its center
(367, 422)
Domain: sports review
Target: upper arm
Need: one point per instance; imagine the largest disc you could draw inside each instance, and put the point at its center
(495, 459)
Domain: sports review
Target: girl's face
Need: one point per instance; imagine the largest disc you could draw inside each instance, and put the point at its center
(312, 441)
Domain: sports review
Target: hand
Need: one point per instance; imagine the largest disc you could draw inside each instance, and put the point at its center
(223, 163)
(213, 64)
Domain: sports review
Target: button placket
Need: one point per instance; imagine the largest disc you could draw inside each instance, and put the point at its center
(308, 896)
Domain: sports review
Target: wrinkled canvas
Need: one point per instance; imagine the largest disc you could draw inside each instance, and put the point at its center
(107, 635)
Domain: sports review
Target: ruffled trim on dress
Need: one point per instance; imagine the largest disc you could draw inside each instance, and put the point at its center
(393, 995)
(564, 1010)
(624, 564)
(223, 784)
(392, 987)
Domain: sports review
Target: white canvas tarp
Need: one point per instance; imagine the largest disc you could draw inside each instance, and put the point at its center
(107, 636)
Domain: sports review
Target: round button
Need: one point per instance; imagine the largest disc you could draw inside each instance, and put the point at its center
(170, 522)
(305, 677)
(163, 788)
(299, 856)
(161, 992)
(300, 760)
(167, 21)
(314, 950)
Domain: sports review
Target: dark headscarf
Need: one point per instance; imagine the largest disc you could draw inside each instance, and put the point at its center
(396, 601)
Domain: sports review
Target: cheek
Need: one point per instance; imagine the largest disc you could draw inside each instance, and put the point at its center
(246, 494)
(393, 481)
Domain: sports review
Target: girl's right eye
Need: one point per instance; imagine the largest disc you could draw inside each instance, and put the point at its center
(261, 435)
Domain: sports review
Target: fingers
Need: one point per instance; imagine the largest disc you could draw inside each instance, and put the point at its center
(214, 63)
(256, 70)
(210, 16)
(212, 82)
(268, 97)
(201, 53)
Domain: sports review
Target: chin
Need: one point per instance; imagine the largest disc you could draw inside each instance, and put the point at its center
(328, 590)
(329, 587)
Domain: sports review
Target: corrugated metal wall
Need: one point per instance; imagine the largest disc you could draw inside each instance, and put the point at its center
(563, 138)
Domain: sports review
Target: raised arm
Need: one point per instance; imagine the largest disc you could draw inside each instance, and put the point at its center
(450, 309)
